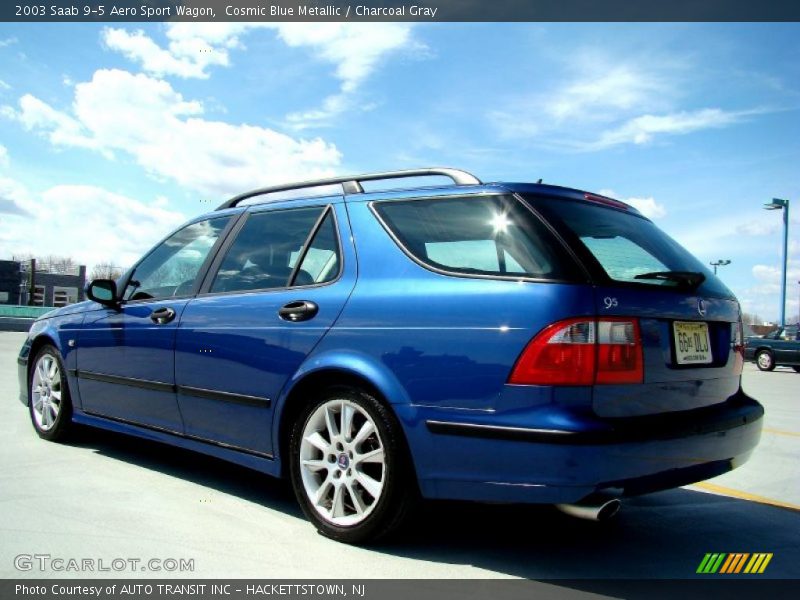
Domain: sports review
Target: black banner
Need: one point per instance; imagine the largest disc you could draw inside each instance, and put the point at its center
(393, 10)
(371, 589)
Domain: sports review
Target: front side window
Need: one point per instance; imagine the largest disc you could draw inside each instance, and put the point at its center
(480, 235)
(267, 249)
(171, 269)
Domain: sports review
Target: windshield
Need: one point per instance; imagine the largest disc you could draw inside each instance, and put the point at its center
(629, 248)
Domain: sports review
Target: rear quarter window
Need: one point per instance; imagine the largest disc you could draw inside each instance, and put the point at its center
(477, 235)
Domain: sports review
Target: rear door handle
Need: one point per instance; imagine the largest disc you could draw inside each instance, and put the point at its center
(162, 315)
(301, 310)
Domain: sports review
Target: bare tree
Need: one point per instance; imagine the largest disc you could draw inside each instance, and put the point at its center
(105, 270)
(53, 263)
(751, 319)
(59, 264)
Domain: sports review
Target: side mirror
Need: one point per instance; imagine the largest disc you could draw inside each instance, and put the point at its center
(103, 291)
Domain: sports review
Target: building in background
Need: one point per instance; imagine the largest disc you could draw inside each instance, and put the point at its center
(31, 283)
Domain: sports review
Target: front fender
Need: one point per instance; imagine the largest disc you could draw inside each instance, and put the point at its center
(62, 332)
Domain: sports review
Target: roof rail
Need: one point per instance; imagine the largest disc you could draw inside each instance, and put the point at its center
(352, 184)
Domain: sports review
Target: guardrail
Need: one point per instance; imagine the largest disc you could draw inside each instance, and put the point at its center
(23, 312)
(20, 318)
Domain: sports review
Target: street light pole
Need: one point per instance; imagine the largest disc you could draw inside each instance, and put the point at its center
(722, 262)
(779, 203)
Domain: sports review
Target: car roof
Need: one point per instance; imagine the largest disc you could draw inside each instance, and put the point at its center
(350, 189)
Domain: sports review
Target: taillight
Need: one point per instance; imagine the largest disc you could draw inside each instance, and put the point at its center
(582, 352)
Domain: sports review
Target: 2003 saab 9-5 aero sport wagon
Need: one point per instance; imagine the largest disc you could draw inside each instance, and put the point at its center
(504, 342)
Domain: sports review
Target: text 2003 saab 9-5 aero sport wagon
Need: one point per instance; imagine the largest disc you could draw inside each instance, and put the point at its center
(504, 342)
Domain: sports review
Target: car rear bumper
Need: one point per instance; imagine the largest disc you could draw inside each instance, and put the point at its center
(480, 459)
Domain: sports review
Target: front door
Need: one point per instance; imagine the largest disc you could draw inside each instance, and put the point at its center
(126, 356)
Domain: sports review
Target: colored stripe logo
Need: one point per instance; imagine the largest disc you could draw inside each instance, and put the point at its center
(733, 563)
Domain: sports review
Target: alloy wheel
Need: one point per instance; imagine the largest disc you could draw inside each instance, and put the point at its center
(46, 392)
(342, 462)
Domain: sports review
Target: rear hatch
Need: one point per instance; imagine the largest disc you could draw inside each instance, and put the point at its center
(688, 321)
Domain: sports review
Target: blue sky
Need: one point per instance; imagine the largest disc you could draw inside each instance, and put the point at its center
(111, 135)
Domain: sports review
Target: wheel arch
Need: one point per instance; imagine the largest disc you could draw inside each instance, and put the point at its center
(761, 349)
(41, 340)
(321, 372)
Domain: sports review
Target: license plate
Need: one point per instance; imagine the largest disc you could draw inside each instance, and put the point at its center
(692, 344)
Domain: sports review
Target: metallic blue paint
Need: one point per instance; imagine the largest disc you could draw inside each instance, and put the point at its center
(436, 347)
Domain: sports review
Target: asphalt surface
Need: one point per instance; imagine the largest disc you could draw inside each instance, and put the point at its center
(104, 496)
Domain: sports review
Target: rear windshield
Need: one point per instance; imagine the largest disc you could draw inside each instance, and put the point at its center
(626, 246)
(477, 235)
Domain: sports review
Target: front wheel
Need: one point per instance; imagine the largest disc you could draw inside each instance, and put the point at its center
(764, 360)
(48, 395)
(349, 466)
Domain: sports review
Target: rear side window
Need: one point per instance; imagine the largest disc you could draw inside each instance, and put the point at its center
(627, 246)
(477, 235)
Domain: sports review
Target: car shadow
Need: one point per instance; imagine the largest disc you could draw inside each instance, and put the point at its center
(658, 536)
(211, 472)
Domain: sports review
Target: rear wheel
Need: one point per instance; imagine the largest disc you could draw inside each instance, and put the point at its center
(48, 395)
(764, 360)
(349, 467)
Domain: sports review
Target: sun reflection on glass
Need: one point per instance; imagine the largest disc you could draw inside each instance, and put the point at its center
(500, 223)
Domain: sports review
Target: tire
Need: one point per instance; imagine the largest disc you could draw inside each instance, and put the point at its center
(764, 360)
(796, 368)
(49, 399)
(356, 486)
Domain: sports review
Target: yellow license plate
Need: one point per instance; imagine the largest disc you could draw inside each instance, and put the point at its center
(692, 344)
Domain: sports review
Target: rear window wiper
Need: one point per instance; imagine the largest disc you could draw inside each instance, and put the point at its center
(688, 279)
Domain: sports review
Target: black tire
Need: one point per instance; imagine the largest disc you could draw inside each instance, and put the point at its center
(765, 360)
(51, 425)
(399, 491)
(796, 368)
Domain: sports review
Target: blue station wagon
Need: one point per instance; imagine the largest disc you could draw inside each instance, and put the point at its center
(503, 342)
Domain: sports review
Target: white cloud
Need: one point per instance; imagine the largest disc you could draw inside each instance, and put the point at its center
(12, 198)
(601, 90)
(4, 85)
(185, 57)
(4, 161)
(86, 222)
(758, 227)
(647, 206)
(8, 42)
(121, 113)
(642, 129)
(354, 49)
(603, 103)
(63, 130)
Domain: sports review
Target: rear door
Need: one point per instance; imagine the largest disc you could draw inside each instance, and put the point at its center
(688, 319)
(269, 298)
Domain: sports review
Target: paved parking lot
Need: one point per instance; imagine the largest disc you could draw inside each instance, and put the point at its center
(105, 497)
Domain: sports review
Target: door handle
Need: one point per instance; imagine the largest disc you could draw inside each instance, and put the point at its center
(301, 310)
(162, 315)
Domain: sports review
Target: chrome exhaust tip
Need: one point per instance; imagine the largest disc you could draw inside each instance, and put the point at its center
(592, 510)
